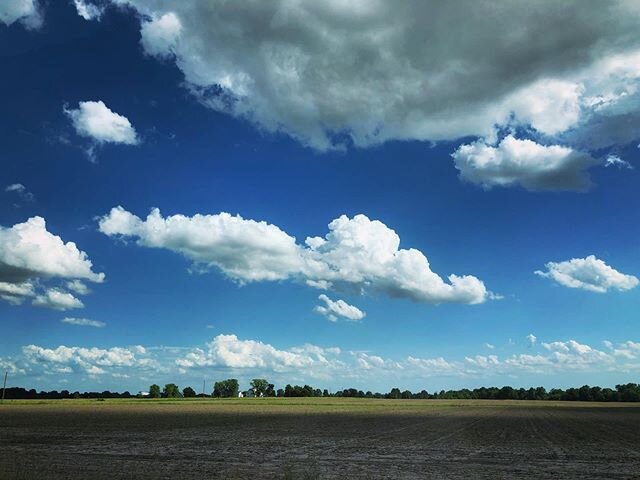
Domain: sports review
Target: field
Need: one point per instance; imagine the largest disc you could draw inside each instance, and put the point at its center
(317, 438)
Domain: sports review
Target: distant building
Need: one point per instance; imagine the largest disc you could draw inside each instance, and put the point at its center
(143, 394)
(240, 395)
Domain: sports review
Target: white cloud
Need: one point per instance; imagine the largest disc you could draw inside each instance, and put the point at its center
(159, 35)
(97, 122)
(228, 355)
(372, 72)
(229, 351)
(245, 250)
(572, 354)
(629, 350)
(428, 367)
(15, 293)
(616, 161)
(588, 273)
(532, 339)
(88, 10)
(25, 11)
(550, 106)
(489, 346)
(83, 322)
(338, 308)
(92, 361)
(57, 300)
(29, 254)
(357, 252)
(78, 287)
(21, 191)
(483, 361)
(525, 163)
(365, 253)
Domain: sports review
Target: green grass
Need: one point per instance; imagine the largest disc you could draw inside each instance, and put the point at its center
(297, 405)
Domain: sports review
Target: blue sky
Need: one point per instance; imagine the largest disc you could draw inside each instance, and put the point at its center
(143, 106)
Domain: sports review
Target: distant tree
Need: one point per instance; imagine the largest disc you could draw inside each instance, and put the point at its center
(584, 393)
(556, 394)
(423, 394)
(270, 391)
(507, 393)
(154, 391)
(280, 393)
(629, 392)
(406, 394)
(171, 390)
(395, 393)
(571, 394)
(325, 393)
(259, 386)
(188, 392)
(298, 391)
(226, 388)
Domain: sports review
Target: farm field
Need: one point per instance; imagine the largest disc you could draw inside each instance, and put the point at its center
(317, 438)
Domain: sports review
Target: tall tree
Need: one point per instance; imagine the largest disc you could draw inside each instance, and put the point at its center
(171, 390)
(154, 391)
(259, 386)
(188, 392)
(226, 388)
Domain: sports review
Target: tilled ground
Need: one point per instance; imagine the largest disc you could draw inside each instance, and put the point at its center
(199, 441)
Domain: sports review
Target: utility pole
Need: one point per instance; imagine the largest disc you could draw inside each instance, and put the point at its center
(4, 386)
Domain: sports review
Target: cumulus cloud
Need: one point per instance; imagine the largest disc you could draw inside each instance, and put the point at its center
(332, 309)
(357, 252)
(25, 11)
(576, 355)
(91, 361)
(588, 273)
(29, 255)
(245, 358)
(376, 71)
(628, 350)
(95, 121)
(83, 322)
(525, 163)
(230, 351)
(57, 300)
(245, 250)
(532, 339)
(159, 35)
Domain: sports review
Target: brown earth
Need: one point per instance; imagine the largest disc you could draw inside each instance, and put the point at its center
(476, 440)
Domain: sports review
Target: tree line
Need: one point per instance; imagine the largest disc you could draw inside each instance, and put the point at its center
(260, 387)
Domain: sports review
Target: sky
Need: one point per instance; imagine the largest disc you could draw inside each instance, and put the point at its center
(344, 194)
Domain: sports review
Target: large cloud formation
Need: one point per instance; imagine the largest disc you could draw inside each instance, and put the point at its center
(228, 354)
(588, 273)
(373, 71)
(357, 252)
(30, 255)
